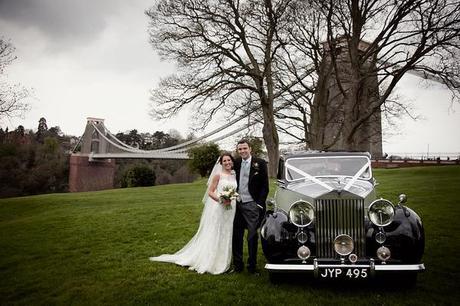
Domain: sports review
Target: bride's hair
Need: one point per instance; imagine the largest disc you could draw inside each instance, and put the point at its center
(226, 154)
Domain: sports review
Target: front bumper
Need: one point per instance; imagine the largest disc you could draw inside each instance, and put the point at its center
(373, 268)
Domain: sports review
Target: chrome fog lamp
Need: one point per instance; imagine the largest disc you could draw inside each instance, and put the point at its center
(343, 245)
(301, 213)
(353, 258)
(303, 252)
(302, 237)
(383, 253)
(381, 212)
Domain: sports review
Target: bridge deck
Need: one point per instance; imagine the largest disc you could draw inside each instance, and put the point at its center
(156, 155)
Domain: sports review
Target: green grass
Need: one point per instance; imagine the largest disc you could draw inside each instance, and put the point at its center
(93, 248)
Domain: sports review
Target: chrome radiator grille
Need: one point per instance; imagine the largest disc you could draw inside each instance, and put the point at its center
(335, 217)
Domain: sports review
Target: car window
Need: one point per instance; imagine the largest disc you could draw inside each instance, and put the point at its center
(327, 166)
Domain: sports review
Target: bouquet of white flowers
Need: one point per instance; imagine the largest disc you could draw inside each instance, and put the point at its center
(226, 196)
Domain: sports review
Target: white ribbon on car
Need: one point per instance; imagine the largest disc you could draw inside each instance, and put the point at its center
(308, 176)
(357, 175)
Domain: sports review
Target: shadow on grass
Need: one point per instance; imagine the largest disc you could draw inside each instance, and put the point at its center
(382, 284)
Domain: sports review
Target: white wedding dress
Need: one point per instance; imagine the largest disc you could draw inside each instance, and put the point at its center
(210, 250)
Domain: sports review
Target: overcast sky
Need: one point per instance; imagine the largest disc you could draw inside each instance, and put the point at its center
(92, 59)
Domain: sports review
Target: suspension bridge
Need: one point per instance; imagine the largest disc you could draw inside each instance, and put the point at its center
(93, 166)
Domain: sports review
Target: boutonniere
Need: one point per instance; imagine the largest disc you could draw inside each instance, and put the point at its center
(255, 166)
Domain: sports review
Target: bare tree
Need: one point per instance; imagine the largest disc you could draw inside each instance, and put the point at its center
(11, 95)
(225, 51)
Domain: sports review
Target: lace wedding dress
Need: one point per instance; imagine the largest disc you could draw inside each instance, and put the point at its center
(210, 250)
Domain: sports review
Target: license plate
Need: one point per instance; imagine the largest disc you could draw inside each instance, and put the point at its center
(347, 273)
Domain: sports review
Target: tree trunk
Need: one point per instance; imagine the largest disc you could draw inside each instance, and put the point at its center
(271, 138)
(321, 109)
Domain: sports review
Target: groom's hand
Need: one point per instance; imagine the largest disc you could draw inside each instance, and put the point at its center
(261, 214)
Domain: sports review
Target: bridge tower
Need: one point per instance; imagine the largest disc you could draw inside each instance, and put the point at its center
(335, 107)
(86, 173)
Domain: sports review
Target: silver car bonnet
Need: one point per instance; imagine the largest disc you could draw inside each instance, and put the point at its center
(310, 191)
(360, 188)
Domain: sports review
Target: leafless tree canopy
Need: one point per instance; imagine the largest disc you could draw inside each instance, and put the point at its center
(225, 51)
(236, 55)
(11, 95)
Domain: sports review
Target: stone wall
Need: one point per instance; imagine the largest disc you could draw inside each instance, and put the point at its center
(90, 176)
(403, 163)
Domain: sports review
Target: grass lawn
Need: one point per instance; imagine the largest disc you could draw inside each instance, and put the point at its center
(93, 248)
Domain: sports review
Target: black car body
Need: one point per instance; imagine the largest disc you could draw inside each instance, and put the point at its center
(327, 221)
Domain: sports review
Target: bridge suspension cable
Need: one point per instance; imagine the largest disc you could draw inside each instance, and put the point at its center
(118, 140)
(121, 147)
(215, 131)
(179, 148)
(176, 149)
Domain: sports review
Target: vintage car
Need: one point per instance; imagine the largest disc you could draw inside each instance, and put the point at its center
(327, 221)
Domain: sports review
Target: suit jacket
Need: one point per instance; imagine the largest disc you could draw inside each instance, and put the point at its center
(258, 179)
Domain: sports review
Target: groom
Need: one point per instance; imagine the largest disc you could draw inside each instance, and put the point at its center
(252, 179)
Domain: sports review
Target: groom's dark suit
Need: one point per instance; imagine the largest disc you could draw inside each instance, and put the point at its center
(249, 214)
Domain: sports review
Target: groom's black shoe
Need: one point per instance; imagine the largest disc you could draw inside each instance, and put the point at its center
(236, 270)
(254, 271)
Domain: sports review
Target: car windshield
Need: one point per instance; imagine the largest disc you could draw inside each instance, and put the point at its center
(327, 166)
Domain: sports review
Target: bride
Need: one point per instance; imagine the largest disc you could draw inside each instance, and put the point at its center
(210, 250)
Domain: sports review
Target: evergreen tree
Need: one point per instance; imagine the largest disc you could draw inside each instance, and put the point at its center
(20, 131)
(203, 158)
(2, 135)
(41, 130)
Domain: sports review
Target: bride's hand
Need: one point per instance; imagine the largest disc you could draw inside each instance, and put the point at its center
(227, 202)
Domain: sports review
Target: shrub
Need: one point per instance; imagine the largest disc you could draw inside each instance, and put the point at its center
(203, 158)
(138, 176)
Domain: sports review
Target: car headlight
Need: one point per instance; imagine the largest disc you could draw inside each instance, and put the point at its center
(301, 213)
(381, 212)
